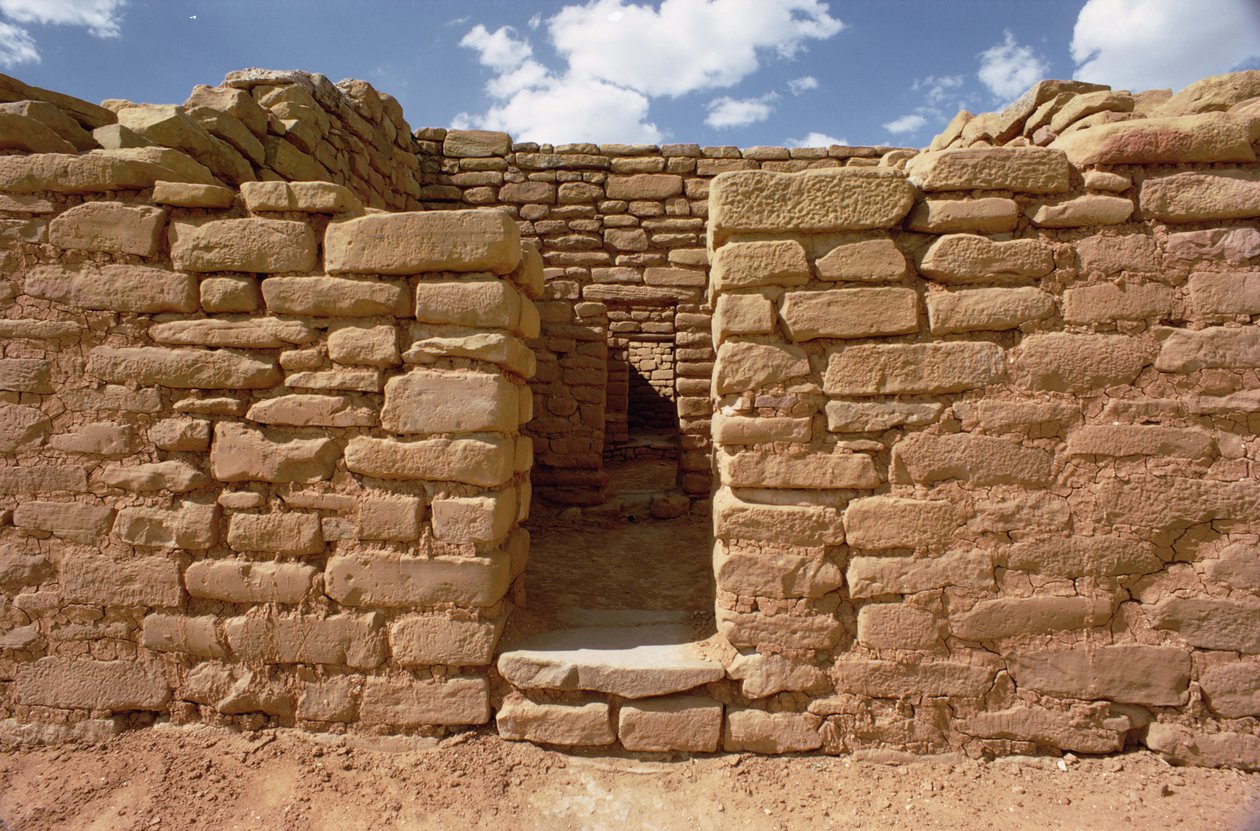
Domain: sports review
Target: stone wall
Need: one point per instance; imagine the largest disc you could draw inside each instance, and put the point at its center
(621, 232)
(988, 475)
(261, 451)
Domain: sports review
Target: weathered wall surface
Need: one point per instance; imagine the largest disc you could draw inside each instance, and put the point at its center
(621, 232)
(988, 474)
(261, 451)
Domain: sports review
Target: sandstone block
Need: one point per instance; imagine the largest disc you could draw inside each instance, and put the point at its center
(1230, 689)
(395, 517)
(877, 416)
(1217, 346)
(759, 201)
(1006, 617)
(986, 310)
(1214, 750)
(99, 171)
(259, 333)
(1078, 556)
(192, 527)
(686, 723)
(177, 633)
(441, 401)
(414, 243)
(109, 227)
(1113, 254)
(1050, 728)
(741, 430)
(98, 438)
(42, 479)
(484, 462)
(250, 244)
(310, 410)
(185, 195)
(405, 702)
(746, 366)
(987, 215)
(892, 522)
(808, 471)
(290, 534)
(807, 525)
(426, 640)
(1019, 169)
(74, 521)
(22, 428)
(1209, 622)
(1208, 137)
(898, 626)
(758, 731)
(589, 725)
(356, 641)
(1109, 301)
(240, 581)
(181, 368)
(1213, 293)
(981, 460)
(759, 574)
(1081, 211)
(335, 297)
(393, 580)
(877, 576)
(474, 520)
(912, 369)
(1127, 673)
(1063, 362)
(742, 314)
(477, 144)
(849, 313)
(77, 683)
(740, 265)
(101, 581)
(1161, 503)
(1198, 196)
(969, 258)
(335, 700)
(1237, 566)
(243, 454)
(890, 679)
(1140, 440)
(762, 674)
(1233, 245)
(649, 186)
(364, 345)
(114, 287)
(307, 197)
(486, 303)
(229, 294)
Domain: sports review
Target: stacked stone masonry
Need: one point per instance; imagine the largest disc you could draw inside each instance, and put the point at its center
(979, 423)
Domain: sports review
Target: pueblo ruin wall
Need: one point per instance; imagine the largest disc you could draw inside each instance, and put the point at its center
(979, 423)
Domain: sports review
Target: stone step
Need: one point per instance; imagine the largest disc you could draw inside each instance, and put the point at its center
(628, 661)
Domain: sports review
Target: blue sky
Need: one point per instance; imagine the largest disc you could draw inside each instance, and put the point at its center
(743, 72)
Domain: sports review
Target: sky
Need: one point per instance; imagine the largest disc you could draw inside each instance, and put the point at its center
(710, 72)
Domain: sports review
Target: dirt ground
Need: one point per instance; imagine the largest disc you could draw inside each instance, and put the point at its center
(207, 778)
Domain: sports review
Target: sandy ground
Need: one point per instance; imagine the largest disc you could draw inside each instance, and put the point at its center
(206, 778)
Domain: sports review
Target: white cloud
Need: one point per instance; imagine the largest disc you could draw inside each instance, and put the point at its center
(1148, 44)
(936, 88)
(1008, 69)
(16, 46)
(618, 56)
(816, 139)
(802, 84)
(909, 123)
(728, 112)
(99, 16)
(535, 21)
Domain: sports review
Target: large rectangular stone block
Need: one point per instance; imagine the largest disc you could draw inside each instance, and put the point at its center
(192, 527)
(243, 454)
(969, 258)
(912, 369)
(241, 581)
(181, 368)
(986, 310)
(747, 366)
(1210, 622)
(386, 579)
(486, 462)
(341, 640)
(1126, 673)
(893, 522)
(1225, 293)
(688, 723)
(890, 679)
(779, 574)
(807, 525)
(321, 296)
(981, 460)
(426, 640)
(1198, 196)
(1006, 617)
(74, 521)
(809, 471)
(741, 265)
(26, 375)
(109, 227)
(759, 731)
(248, 244)
(1071, 362)
(81, 684)
(180, 633)
(481, 303)
(582, 725)
(1162, 503)
(293, 534)
(1140, 440)
(103, 581)
(849, 313)
(114, 287)
(441, 401)
(407, 702)
(1108, 301)
(1215, 347)
(876, 576)
(415, 243)
(1019, 169)
(1204, 137)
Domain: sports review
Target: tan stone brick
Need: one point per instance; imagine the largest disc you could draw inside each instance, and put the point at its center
(1216, 346)
(178, 633)
(1113, 254)
(746, 366)
(849, 313)
(809, 471)
(259, 333)
(930, 368)
(876, 576)
(42, 479)
(341, 640)
(1230, 688)
(99, 171)
(1208, 137)
(807, 525)
(777, 632)
(892, 522)
(739, 265)
(890, 679)
(110, 227)
(589, 724)
(395, 517)
(873, 416)
(1063, 362)
(99, 438)
(1080, 556)
(485, 303)
(76, 683)
(1140, 440)
(1109, 301)
(185, 195)
(742, 314)
(898, 626)
(981, 460)
(1125, 673)
(1188, 747)
(483, 462)
(240, 581)
(1081, 211)
(462, 144)
(1209, 622)
(873, 260)
(759, 574)
(758, 731)
(143, 581)
(474, 520)
(25, 375)
(181, 368)
(757, 201)
(364, 345)
(986, 310)
(253, 244)
(1236, 566)
(762, 675)
(335, 699)
(1160, 503)
(310, 410)
(741, 430)
(230, 294)
(1233, 245)
(687, 723)
(1213, 293)
(406, 702)
(425, 640)
(1048, 728)
(292, 534)
(74, 521)
(242, 454)
(335, 297)
(193, 527)
(308, 197)
(114, 287)
(987, 215)
(414, 243)
(393, 580)
(969, 258)
(1007, 617)
(1019, 169)
(22, 428)
(443, 401)
(1198, 196)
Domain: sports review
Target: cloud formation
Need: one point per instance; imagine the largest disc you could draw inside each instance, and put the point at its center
(1149, 44)
(906, 124)
(1009, 68)
(815, 139)
(725, 112)
(803, 84)
(17, 45)
(618, 55)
